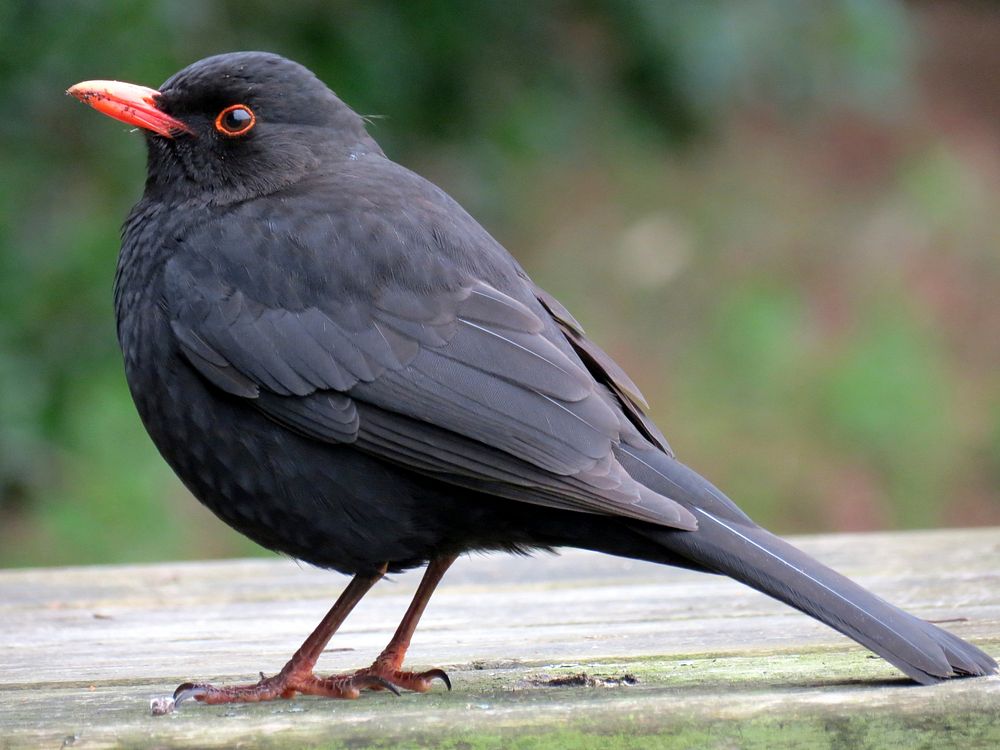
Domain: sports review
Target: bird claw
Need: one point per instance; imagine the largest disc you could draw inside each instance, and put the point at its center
(286, 686)
(268, 688)
(363, 681)
(438, 674)
(419, 682)
(189, 690)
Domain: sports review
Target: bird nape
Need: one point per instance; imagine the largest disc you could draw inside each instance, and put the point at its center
(340, 363)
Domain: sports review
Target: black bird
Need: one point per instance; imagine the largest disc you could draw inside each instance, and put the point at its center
(345, 367)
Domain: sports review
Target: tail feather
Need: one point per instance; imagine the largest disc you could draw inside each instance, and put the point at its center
(732, 545)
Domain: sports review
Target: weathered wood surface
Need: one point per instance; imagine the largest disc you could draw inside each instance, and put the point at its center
(83, 650)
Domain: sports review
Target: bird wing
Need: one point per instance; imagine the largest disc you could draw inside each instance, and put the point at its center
(605, 370)
(426, 365)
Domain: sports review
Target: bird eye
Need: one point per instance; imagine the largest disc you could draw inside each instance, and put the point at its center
(236, 120)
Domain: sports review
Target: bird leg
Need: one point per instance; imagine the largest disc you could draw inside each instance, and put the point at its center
(387, 668)
(297, 675)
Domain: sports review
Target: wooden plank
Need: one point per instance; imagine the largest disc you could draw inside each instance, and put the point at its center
(671, 658)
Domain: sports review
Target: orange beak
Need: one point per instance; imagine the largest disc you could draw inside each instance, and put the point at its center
(135, 105)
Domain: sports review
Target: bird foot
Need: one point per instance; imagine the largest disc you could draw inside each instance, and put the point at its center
(285, 685)
(419, 682)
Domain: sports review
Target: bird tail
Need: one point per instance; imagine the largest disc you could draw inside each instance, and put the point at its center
(731, 544)
(761, 560)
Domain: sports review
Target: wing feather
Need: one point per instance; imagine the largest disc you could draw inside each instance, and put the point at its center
(447, 375)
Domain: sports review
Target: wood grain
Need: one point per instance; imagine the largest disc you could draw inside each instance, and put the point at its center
(578, 650)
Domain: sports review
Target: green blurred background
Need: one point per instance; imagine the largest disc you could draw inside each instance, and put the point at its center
(781, 217)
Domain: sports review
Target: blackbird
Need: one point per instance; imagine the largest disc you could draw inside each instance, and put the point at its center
(341, 364)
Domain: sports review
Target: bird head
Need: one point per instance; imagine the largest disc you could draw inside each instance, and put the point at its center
(234, 126)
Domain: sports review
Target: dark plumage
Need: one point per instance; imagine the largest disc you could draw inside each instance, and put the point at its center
(343, 365)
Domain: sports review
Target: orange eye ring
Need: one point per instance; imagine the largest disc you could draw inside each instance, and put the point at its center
(235, 120)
